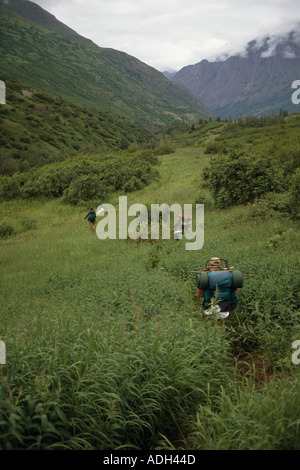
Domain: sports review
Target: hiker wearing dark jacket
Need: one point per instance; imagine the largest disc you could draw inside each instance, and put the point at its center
(91, 216)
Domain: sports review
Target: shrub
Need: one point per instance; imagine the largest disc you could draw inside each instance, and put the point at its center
(5, 230)
(9, 188)
(212, 147)
(124, 144)
(164, 149)
(202, 198)
(295, 195)
(82, 179)
(84, 188)
(132, 184)
(238, 178)
(279, 202)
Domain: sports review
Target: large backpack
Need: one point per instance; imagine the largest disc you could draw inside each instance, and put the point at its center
(225, 281)
(203, 279)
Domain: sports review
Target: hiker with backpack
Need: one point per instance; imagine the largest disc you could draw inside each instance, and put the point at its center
(218, 287)
(91, 216)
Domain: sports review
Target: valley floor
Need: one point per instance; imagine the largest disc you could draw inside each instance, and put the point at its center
(107, 345)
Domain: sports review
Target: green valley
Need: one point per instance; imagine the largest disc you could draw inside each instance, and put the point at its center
(107, 344)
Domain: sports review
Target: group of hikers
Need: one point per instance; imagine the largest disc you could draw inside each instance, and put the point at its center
(217, 284)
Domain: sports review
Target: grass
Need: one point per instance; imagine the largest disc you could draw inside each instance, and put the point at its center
(250, 419)
(107, 345)
(179, 176)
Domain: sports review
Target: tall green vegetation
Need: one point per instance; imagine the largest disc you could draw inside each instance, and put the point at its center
(83, 178)
(107, 349)
(113, 381)
(256, 419)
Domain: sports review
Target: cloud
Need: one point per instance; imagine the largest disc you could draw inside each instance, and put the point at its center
(169, 34)
(288, 53)
(283, 41)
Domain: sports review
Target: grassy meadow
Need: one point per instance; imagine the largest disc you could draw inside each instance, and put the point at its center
(107, 345)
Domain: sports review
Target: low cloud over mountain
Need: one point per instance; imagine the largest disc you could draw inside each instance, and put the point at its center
(256, 80)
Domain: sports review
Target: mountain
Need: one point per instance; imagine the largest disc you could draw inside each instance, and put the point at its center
(37, 129)
(44, 53)
(255, 82)
(169, 75)
(38, 15)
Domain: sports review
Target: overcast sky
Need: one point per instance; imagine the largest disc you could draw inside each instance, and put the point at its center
(169, 34)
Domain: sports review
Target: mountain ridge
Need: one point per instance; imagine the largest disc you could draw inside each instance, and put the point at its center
(31, 11)
(65, 64)
(257, 81)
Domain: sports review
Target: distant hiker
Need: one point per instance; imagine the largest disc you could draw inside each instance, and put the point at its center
(218, 287)
(183, 224)
(91, 216)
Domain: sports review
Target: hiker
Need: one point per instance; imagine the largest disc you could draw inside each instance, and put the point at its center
(91, 216)
(183, 223)
(220, 284)
(177, 230)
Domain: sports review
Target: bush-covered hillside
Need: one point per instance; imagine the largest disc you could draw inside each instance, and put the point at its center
(37, 129)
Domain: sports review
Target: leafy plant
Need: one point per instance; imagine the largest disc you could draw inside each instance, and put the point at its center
(238, 178)
(249, 419)
(5, 230)
(294, 193)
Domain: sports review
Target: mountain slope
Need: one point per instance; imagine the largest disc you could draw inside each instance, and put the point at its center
(257, 82)
(37, 129)
(38, 15)
(49, 56)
